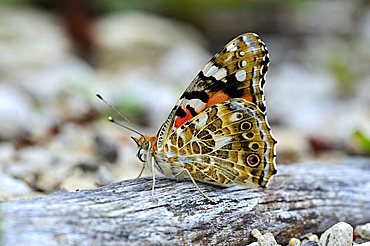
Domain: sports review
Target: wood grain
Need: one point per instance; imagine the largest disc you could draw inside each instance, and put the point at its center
(301, 198)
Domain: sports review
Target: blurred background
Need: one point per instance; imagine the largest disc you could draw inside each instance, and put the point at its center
(141, 55)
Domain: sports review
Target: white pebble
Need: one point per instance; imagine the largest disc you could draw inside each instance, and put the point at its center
(363, 231)
(339, 234)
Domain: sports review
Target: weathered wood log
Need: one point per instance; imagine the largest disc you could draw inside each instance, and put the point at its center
(300, 199)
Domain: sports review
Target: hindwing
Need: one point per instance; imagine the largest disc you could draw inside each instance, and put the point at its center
(229, 142)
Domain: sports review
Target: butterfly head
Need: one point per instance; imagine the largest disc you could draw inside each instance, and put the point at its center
(145, 144)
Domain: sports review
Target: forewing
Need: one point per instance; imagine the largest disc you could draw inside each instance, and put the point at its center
(229, 142)
(237, 71)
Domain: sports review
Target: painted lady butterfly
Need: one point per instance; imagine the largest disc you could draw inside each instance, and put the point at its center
(218, 132)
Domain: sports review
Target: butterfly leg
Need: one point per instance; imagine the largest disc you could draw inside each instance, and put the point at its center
(141, 172)
(195, 184)
(153, 175)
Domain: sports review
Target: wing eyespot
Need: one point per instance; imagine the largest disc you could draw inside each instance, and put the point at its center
(253, 160)
(240, 64)
(248, 135)
(246, 126)
(254, 146)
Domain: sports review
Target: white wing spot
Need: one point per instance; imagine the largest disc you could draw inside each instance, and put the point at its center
(222, 142)
(207, 66)
(236, 116)
(241, 75)
(221, 73)
(241, 53)
(231, 47)
(197, 104)
(244, 63)
(202, 121)
(253, 47)
(210, 71)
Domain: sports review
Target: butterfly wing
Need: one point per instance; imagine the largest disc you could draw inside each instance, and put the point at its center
(237, 71)
(229, 142)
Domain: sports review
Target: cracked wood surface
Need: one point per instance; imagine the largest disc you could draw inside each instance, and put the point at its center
(301, 198)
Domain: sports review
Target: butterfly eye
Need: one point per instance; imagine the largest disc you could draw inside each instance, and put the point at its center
(142, 154)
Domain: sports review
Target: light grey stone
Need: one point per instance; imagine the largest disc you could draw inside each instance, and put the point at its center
(266, 239)
(12, 187)
(363, 231)
(339, 234)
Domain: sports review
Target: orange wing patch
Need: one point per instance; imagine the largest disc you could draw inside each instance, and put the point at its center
(247, 95)
(181, 120)
(218, 97)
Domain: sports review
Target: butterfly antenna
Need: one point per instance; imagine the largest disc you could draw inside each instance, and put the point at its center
(110, 118)
(122, 116)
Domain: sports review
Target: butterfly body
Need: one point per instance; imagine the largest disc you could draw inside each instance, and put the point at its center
(218, 132)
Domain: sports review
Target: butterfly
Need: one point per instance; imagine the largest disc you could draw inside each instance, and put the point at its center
(217, 132)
